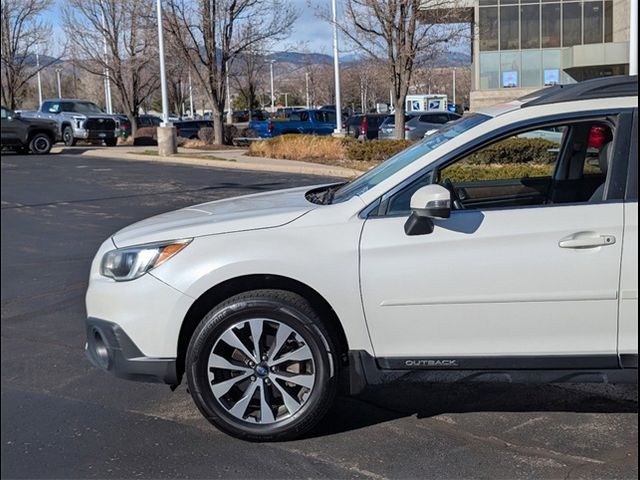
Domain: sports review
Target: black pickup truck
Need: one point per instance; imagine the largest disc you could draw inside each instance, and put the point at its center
(27, 134)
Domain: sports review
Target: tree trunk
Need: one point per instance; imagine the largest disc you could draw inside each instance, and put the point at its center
(399, 119)
(218, 125)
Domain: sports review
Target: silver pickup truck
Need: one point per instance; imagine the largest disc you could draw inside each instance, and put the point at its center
(78, 120)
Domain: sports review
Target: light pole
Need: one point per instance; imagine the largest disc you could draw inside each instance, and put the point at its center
(191, 97)
(107, 78)
(229, 110)
(273, 100)
(336, 68)
(58, 71)
(39, 78)
(286, 100)
(167, 144)
(307, 89)
(633, 39)
(454, 85)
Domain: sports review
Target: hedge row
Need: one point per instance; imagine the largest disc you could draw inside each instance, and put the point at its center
(516, 150)
(478, 172)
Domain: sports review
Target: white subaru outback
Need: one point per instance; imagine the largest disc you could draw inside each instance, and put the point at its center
(503, 247)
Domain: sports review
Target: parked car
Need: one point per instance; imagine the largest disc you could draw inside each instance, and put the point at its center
(387, 130)
(78, 120)
(27, 134)
(365, 127)
(417, 124)
(441, 261)
(145, 121)
(315, 122)
(190, 128)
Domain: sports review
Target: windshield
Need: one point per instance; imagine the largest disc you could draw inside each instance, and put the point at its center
(86, 107)
(396, 163)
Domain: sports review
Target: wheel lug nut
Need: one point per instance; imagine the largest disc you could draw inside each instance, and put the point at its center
(251, 364)
(253, 378)
(264, 357)
(273, 369)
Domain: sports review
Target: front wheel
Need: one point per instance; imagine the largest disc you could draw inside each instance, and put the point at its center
(40, 144)
(111, 142)
(261, 366)
(67, 136)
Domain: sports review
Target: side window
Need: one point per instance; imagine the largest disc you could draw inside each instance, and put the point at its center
(5, 113)
(295, 117)
(551, 165)
(51, 107)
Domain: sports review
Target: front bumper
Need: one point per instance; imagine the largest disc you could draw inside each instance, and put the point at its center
(109, 348)
(93, 134)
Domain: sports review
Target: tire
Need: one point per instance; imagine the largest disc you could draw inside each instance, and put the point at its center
(40, 144)
(111, 142)
(67, 136)
(289, 329)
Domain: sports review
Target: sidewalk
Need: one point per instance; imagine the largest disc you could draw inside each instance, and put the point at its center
(230, 159)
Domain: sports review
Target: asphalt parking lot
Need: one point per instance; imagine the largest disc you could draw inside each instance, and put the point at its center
(61, 418)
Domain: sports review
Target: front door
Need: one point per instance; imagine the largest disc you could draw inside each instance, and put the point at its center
(513, 273)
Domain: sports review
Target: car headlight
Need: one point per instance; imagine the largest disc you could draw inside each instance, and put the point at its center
(129, 263)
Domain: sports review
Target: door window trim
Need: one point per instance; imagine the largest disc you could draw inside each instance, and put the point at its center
(622, 132)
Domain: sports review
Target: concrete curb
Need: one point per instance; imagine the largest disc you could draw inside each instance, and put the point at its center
(236, 161)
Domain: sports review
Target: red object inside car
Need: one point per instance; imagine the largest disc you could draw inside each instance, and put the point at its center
(597, 136)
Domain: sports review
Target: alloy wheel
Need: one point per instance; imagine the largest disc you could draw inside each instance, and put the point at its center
(261, 371)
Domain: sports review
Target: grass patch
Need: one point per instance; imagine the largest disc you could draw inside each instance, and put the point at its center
(342, 152)
(200, 145)
(154, 153)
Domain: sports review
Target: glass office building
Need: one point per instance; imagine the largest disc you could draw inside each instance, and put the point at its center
(522, 45)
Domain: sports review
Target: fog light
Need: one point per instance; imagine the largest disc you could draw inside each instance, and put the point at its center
(100, 349)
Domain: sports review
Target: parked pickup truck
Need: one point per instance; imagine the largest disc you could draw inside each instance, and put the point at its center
(312, 122)
(78, 120)
(27, 134)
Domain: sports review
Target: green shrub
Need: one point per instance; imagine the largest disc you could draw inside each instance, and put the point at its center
(470, 173)
(374, 150)
(516, 150)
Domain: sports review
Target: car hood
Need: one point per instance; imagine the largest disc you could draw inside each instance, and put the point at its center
(251, 212)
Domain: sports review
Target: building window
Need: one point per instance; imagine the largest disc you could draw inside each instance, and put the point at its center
(593, 22)
(571, 24)
(531, 68)
(488, 29)
(489, 70)
(530, 26)
(608, 21)
(510, 69)
(551, 63)
(509, 28)
(551, 25)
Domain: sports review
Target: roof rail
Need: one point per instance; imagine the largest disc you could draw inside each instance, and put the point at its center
(606, 87)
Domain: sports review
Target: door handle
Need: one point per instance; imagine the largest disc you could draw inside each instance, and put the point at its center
(588, 240)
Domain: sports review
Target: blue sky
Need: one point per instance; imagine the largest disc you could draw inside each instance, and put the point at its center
(309, 30)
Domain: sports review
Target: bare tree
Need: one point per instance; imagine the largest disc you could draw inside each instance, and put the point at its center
(22, 33)
(212, 34)
(392, 32)
(248, 72)
(130, 33)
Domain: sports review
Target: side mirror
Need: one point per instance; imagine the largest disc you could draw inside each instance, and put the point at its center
(427, 203)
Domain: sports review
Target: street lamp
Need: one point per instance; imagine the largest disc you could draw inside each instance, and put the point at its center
(336, 68)
(39, 78)
(107, 78)
(273, 100)
(167, 143)
(58, 71)
(229, 110)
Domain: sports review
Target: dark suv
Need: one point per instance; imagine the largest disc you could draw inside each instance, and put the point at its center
(27, 134)
(365, 127)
